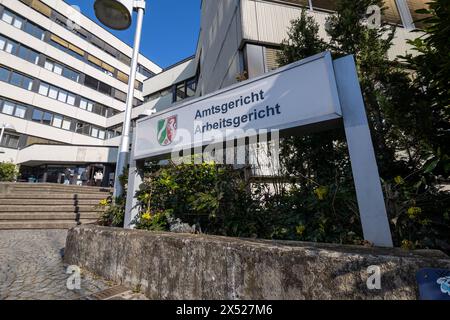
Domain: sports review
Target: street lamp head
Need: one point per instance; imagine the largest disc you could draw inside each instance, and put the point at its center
(115, 14)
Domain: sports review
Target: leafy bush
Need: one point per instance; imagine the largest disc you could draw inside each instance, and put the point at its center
(8, 172)
(205, 195)
(113, 214)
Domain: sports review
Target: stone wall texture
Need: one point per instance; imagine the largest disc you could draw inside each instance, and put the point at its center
(183, 266)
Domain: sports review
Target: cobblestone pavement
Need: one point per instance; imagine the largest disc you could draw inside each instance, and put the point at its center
(31, 267)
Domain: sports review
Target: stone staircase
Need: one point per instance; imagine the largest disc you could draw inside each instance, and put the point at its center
(48, 206)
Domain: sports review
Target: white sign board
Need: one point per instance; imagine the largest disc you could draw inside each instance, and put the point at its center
(298, 94)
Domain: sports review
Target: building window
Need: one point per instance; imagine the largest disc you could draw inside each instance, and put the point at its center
(157, 95)
(191, 87)
(138, 85)
(39, 7)
(326, 5)
(70, 74)
(114, 132)
(56, 93)
(21, 23)
(61, 122)
(20, 111)
(61, 70)
(100, 65)
(145, 72)
(180, 92)
(86, 105)
(66, 124)
(8, 17)
(28, 54)
(66, 47)
(122, 77)
(8, 108)
(12, 109)
(47, 118)
(37, 115)
(120, 95)
(96, 108)
(185, 89)
(57, 121)
(82, 33)
(8, 45)
(10, 141)
(4, 74)
(16, 79)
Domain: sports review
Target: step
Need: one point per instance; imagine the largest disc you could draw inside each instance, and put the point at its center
(28, 208)
(71, 216)
(34, 195)
(44, 224)
(46, 190)
(52, 201)
(54, 186)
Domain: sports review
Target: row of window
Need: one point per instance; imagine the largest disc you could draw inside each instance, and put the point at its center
(69, 98)
(87, 81)
(23, 24)
(179, 91)
(13, 109)
(61, 70)
(12, 77)
(15, 78)
(52, 119)
(84, 34)
(32, 56)
(19, 50)
(65, 46)
(56, 93)
(66, 123)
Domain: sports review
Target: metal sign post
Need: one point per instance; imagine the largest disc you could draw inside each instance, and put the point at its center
(369, 193)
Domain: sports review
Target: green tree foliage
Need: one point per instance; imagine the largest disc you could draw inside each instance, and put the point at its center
(431, 63)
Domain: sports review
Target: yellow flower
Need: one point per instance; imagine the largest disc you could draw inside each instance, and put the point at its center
(300, 229)
(413, 212)
(399, 180)
(146, 216)
(407, 245)
(104, 202)
(321, 192)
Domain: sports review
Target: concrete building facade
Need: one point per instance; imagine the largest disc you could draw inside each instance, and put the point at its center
(63, 83)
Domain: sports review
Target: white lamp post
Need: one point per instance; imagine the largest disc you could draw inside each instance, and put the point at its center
(117, 14)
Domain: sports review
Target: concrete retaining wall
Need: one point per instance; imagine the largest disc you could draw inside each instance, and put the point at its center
(175, 266)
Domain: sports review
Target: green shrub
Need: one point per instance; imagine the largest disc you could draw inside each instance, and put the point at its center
(209, 196)
(113, 214)
(8, 172)
(113, 209)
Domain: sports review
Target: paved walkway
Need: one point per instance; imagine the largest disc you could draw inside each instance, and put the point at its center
(31, 267)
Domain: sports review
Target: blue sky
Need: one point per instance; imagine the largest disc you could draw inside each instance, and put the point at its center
(170, 31)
